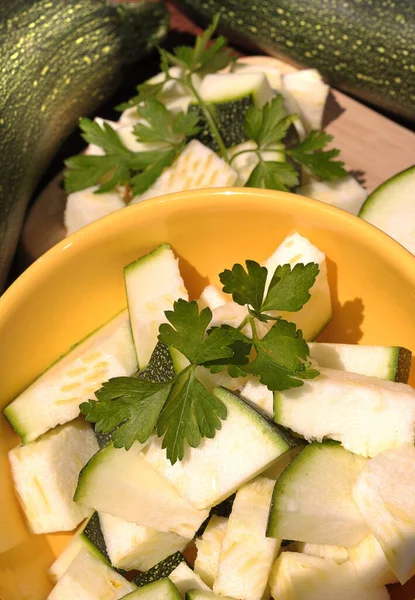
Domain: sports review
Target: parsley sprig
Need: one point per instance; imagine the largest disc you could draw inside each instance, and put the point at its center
(267, 127)
(180, 409)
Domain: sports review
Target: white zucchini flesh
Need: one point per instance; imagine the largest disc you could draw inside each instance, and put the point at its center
(211, 297)
(306, 94)
(391, 207)
(85, 207)
(203, 595)
(258, 394)
(90, 577)
(302, 576)
(147, 498)
(135, 547)
(245, 163)
(339, 554)
(272, 73)
(148, 302)
(185, 579)
(195, 168)
(163, 589)
(45, 473)
(312, 499)
(346, 193)
(370, 563)
(54, 398)
(245, 445)
(392, 363)
(316, 313)
(208, 549)
(385, 497)
(228, 87)
(366, 414)
(67, 556)
(223, 379)
(246, 554)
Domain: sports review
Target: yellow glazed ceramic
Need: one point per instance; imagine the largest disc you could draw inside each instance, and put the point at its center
(79, 284)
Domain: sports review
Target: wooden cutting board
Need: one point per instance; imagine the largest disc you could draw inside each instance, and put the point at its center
(373, 147)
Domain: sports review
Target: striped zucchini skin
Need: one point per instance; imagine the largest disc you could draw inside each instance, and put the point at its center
(365, 47)
(59, 60)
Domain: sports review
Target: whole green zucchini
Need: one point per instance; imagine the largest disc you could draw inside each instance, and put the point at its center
(365, 47)
(59, 60)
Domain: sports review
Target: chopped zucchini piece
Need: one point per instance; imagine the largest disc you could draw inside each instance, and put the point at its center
(132, 546)
(184, 578)
(163, 569)
(54, 398)
(230, 87)
(390, 207)
(164, 589)
(45, 473)
(211, 297)
(384, 495)
(246, 554)
(346, 193)
(312, 499)
(229, 96)
(196, 167)
(305, 94)
(88, 536)
(177, 570)
(147, 498)
(258, 394)
(208, 549)
(85, 207)
(366, 414)
(244, 446)
(386, 362)
(90, 577)
(302, 577)
(272, 73)
(203, 595)
(316, 313)
(339, 554)
(370, 563)
(147, 302)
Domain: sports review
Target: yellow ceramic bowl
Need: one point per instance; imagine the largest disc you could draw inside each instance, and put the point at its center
(79, 284)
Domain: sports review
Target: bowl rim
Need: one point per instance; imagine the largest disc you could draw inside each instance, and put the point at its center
(385, 245)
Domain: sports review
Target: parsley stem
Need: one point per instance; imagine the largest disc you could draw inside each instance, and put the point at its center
(209, 117)
(256, 150)
(244, 322)
(253, 327)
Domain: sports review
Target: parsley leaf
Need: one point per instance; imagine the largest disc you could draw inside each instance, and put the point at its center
(189, 415)
(280, 358)
(86, 171)
(203, 58)
(289, 287)
(273, 176)
(246, 287)
(269, 124)
(187, 333)
(162, 126)
(133, 405)
(310, 154)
